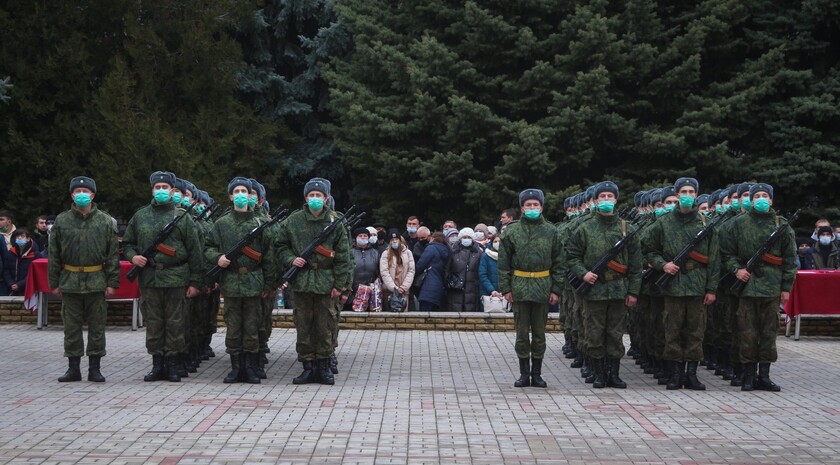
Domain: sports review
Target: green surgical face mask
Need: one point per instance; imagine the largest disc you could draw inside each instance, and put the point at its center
(532, 214)
(606, 206)
(315, 203)
(707, 213)
(82, 200)
(162, 196)
(762, 205)
(176, 197)
(185, 202)
(735, 204)
(686, 201)
(718, 209)
(670, 208)
(240, 200)
(659, 212)
(200, 209)
(252, 201)
(746, 204)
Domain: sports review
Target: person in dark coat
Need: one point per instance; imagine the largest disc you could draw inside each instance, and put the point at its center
(17, 260)
(463, 262)
(435, 257)
(488, 270)
(367, 263)
(4, 289)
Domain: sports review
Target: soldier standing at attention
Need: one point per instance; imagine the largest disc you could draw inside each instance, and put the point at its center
(531, 277)
(243, 283)
(606, 303)
(767, 287)
(84, 268)
(319, 282)
(175, 275)
(690, 290)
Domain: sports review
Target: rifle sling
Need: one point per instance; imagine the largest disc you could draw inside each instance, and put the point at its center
(323, 251)
(772, 259)
(617, 267)
(698, 257)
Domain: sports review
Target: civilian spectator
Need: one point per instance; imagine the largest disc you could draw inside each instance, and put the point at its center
(41, 234)
(482, 235)
(4, 289)
(451, 236)
(825, 250)
(396, 266)
(463, 270)
(508, 216)
(820, 223)
(433, 263)
(423, 234)
(449, 224)
(367, 262)
(410, 235)
(17, 260)
(7, 227)
(805, 255)
(488, 270)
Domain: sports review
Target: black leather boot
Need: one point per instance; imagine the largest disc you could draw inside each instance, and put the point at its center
(158, 372)
(258, 367)
(172, 369)
(536, 373)
(691, 381)
(586, 369)
(524, 373)
(334, 364)
(325, 376)
(723, 362)
(567, 346)
(93, 369)
(600, 378)
(73, 373)
(252, 361)
(763, 382)
(613, 380)
(737, 374)
(308, 376)
(749, 377)
(235, 368)
(652, 366)
(632, 351)
(181, 365)
(189, 363)
(590, 371)
(712, 360)
(578, 361)
(573, 353)
(676, 376)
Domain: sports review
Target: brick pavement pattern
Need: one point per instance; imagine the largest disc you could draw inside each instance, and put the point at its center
(406, 397)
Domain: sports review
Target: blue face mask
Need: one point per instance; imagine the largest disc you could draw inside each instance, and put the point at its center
(21, 242)
(606, 206)
(762, 205)
(240, 200)
(532, 214)
(411, 230)
(176, 197)
(162, 196)
(686, 201)
(315, 203)
(252, 201)
(824, 240)
(82, 199)
(395, 245)
(746, 204)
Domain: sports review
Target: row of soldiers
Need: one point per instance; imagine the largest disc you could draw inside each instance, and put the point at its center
(183, 260)
(679, 272)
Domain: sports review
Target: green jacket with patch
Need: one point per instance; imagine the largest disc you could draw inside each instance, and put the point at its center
(83, 240)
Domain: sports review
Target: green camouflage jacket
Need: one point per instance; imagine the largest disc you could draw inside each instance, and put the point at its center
(83, 240)
(744, 236)
(531, 245)
(667, 237)
(245, 277)
(321, 274)
(591, 241)
(185, 267)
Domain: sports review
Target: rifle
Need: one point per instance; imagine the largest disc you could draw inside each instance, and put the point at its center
(602, 264)
(353, 222)
(752, 264)
(206, 214)
(242, 247)
(157, 245)
(292, 271)
(682, 257)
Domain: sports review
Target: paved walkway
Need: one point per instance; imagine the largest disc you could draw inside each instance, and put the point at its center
(406, 397)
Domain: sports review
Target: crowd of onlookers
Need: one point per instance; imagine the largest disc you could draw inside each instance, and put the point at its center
(18, 247)
(819, 252)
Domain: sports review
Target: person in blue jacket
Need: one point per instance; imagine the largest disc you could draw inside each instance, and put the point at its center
(488, 274)
(434, 259)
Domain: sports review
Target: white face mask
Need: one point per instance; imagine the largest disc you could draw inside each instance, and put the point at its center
(361, 242)
(825, 240)
(453, 240)
(496, 245)
(466, 242)
(372, 240)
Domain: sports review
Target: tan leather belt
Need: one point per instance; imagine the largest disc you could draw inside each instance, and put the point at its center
(532, 274)
(83, 269)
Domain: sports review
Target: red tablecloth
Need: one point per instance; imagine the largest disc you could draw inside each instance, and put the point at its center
(37, 281)
(815, 292)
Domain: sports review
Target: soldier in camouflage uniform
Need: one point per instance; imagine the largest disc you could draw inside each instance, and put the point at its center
(767, 287)
(257, 203)
(174, 275)
(606, 302)
(84, 268)
(244, 283)
(319, 282)
(531, 278)
(723, 322)
(691, 289)
(581, 361)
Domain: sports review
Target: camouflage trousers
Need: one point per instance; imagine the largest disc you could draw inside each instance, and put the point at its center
(530, 319)
(580, 322)
(655, 332)
(163, 310)
(314, 322)
(605, 322)
(642, 326)
(266, 324)
(732, 303)
(684, 324)
(723, 323)
(758, 326)
(568, 305)
(336, 314)
(76, 309)
(242, 318)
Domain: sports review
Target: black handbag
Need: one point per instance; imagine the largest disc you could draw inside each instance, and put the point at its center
(455, 281)
(398, 302)
(417, 284)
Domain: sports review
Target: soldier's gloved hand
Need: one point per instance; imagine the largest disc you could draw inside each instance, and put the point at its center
(590, 277)
(192, 292)
(139, 261)
(223, 262)
(299, 262)
(743, 274)
(671, 268)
